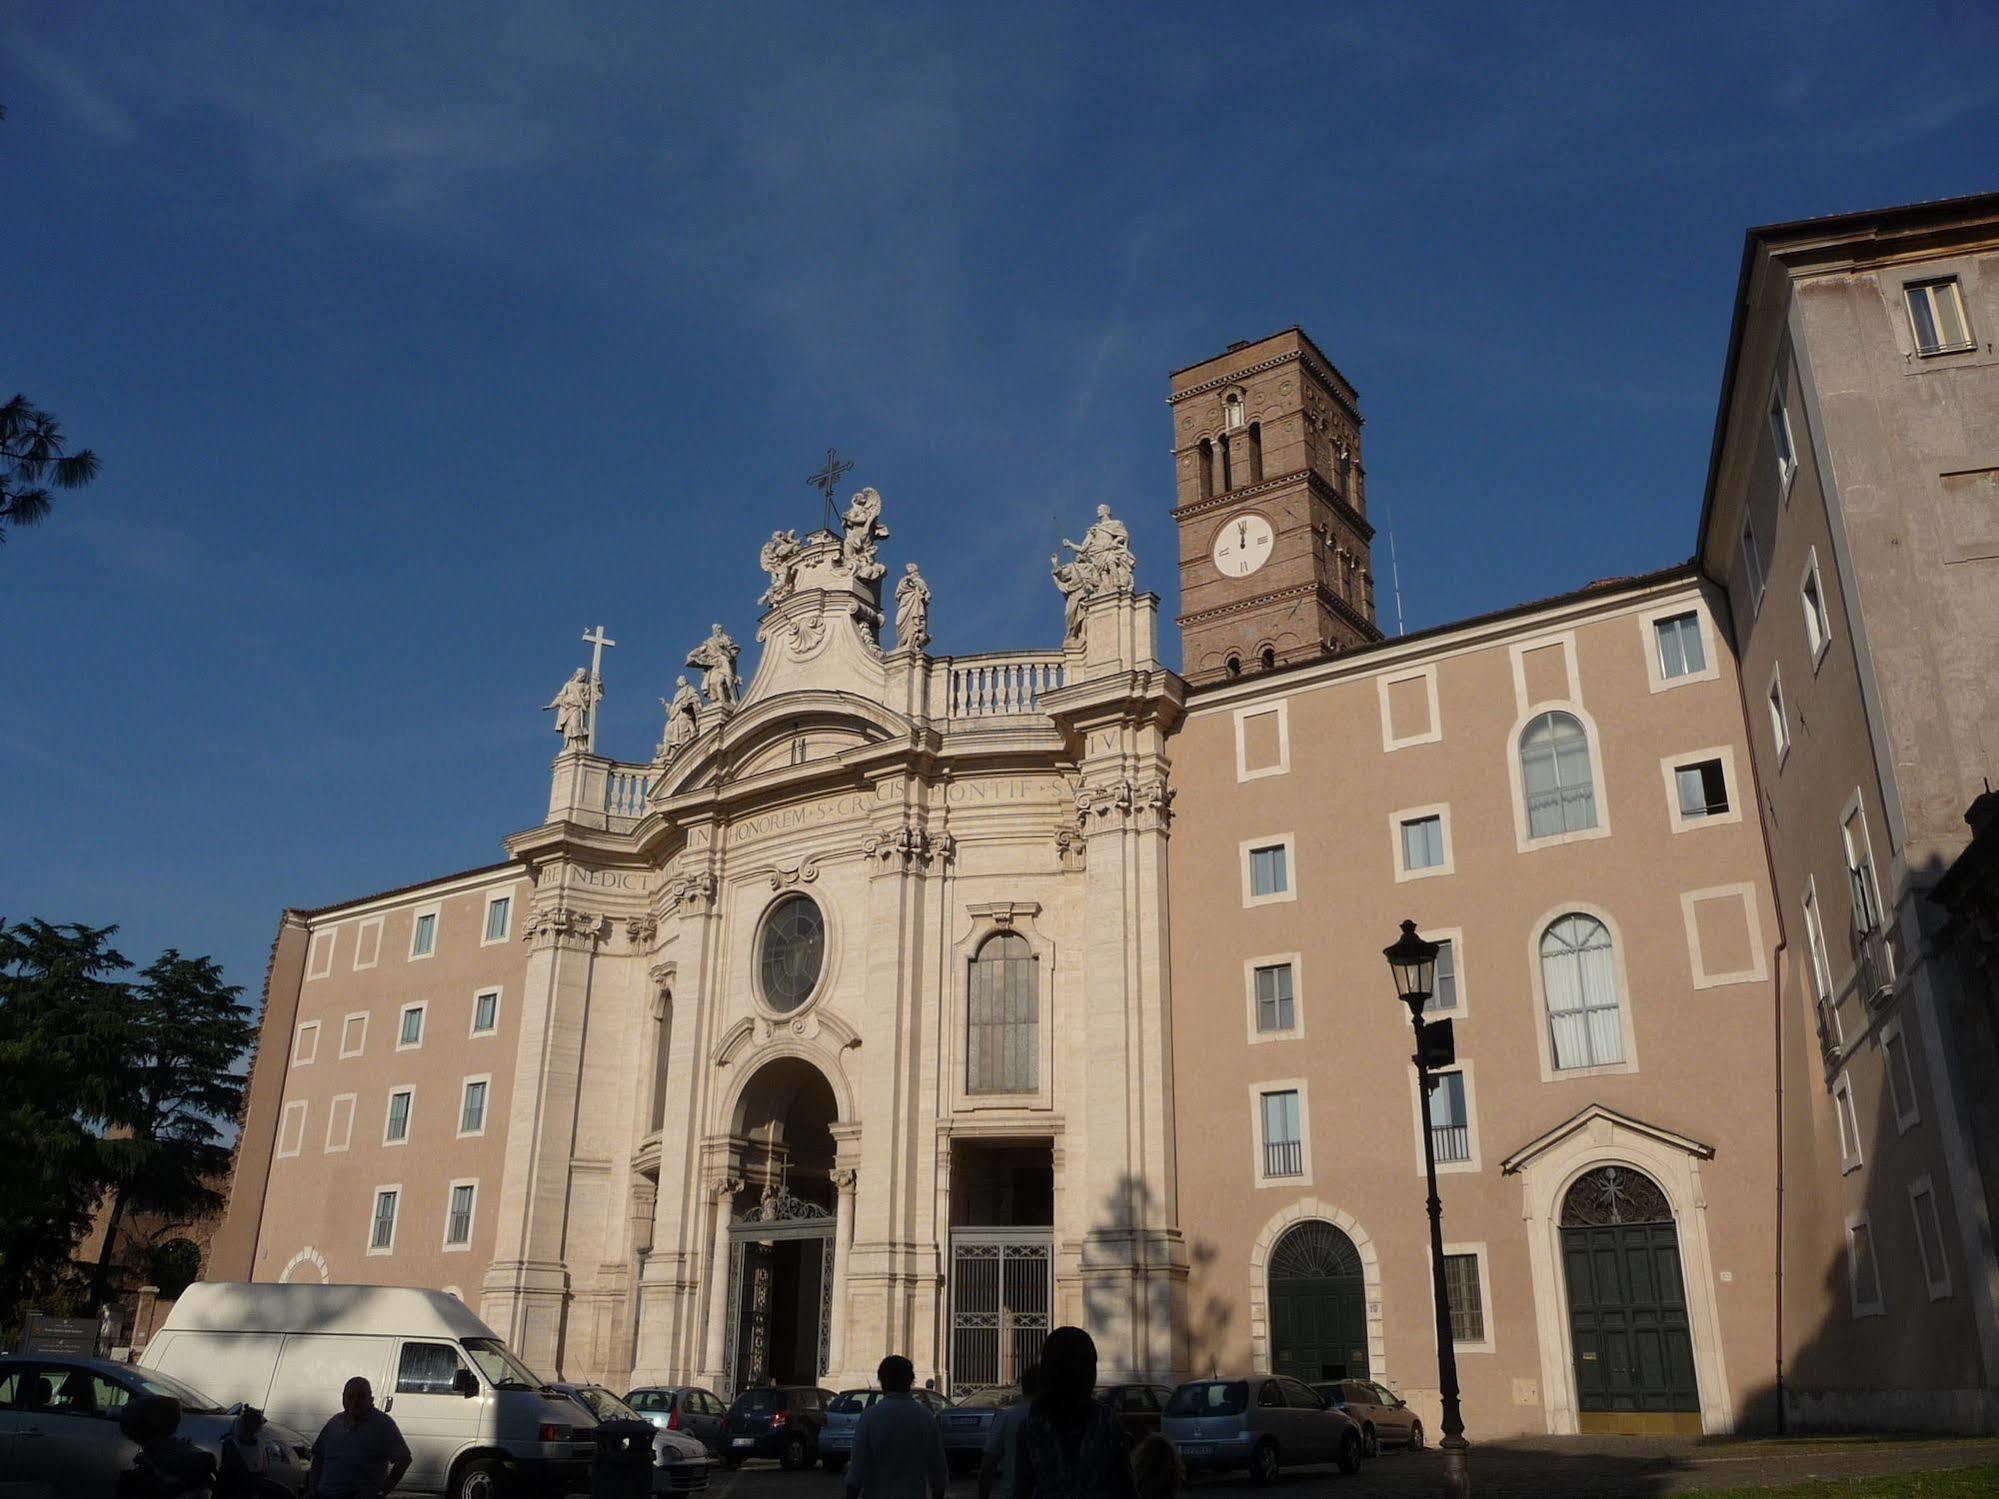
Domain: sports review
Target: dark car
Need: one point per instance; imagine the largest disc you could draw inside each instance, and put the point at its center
(1380, 1411)
(843, 1415)
(687, 1408)
(1137, 1407)
(780, 1421)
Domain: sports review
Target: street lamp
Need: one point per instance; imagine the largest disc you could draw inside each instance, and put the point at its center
(1414, 964)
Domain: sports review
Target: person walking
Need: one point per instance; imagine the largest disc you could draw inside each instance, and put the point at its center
(1071, 1446)
(1155, 1468)
(897, 1451)
(997, 1463)
(360, 1453)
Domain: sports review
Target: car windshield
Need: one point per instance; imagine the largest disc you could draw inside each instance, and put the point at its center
(604, 1405)
(1210, 1397)
(752, 1401)
(502, 1370)
(191, 1399)
(847, 1402)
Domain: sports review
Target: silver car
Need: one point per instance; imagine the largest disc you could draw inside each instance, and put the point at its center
(965, 1426)
(59, 1435)
(843, 1414)
(1262, 1422)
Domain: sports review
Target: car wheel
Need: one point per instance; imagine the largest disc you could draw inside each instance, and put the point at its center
(482, 1478)
(1350, 1454)
(1415, 1436)
(794, 1456)
(1263, 1464)
(1370, 1442)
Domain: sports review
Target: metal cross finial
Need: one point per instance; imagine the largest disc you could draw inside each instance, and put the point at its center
(596, 639)
(828, 479)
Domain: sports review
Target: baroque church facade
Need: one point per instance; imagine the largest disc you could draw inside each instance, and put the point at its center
(912, 1003)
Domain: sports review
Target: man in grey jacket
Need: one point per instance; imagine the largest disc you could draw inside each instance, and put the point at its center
(897, 1451)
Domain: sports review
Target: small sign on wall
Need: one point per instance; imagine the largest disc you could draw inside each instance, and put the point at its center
(65, 1337)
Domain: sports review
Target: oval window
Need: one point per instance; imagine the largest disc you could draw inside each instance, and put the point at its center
(791, 951)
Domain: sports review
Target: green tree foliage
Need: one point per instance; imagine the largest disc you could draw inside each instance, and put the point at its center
(32, 457)
(108, 1083)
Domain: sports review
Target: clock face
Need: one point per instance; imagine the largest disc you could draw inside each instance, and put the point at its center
(1242, 545)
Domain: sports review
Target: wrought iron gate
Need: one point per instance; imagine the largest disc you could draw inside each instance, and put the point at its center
(1002, 1298)
(752, 1236)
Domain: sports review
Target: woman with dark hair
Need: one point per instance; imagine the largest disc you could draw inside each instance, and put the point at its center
(1070, 1446)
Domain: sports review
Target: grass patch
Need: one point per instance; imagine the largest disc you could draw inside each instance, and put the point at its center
(1947, 1483)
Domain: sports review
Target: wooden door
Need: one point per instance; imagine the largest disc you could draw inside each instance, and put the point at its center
(1628, 1318)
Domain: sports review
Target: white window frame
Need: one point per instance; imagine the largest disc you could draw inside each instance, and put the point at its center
(485, 1111)
(1818, 621)
(333, 1117)
(1296, 963)
(1779, 716)
(422, 1007)
(435, 913)
(389, 1114)
(319, 953)
(1543, 1022)
(1855, 810)
(1895, 1042)
(1463, 1066)
(1390, 740)
(1927, 286)
(1456, 937)
(1289, 843)
(1863, 1221)
(1783, 443)
(395, 1219)
(1936, 1279)
(1648, 645)
(1281, 708)
(1302, 1088)
(498, 999)
(471, 1218)
(1476, 1250)
(298, 1109)
(371, 927)
(486, 918)
(1816, 954)
(1672, 765)
(298, 1044)
(361, 1046)
(1442, 812)
(1745, 893)
(1846, 1119)
(1754, 578)
(1516, 779)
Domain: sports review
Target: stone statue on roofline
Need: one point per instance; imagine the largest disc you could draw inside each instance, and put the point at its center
(716, 659)
(779, 558)
(572, 707)
(683, 720)
(912, 610)
(1102, 563)
(1073, 579)
(862, 528)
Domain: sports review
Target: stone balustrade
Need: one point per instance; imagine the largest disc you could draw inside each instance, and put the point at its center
(625, 788)
(1000, 684)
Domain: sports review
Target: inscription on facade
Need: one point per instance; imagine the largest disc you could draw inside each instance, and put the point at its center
(611, 879)
(809, 815)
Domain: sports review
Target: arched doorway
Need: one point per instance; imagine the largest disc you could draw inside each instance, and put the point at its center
(781, 1228)
(1628, 1332)
(1318, 1305)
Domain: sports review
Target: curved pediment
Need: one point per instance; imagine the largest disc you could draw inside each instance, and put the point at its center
(769, 735)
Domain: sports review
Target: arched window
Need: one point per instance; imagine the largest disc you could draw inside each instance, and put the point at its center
(1269, 659)
(1228, 464)
(1207, 469)
(1256, 452)
(1611, 1196)
(1232, 415)
(1555, 776)
(1579, 978)
(1003, 1033)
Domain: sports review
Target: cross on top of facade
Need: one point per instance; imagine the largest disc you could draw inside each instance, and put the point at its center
(828, 479)
(596, 639)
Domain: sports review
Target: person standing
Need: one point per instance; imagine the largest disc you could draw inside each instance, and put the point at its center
(897, 1451)
(997, 1463)
(1071, 1446)
(360, 1453)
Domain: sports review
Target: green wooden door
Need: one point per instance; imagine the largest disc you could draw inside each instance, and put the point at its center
(1318, 1306)
(1628, 1318)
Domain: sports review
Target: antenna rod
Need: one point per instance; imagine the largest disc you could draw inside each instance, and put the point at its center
(1394, 571)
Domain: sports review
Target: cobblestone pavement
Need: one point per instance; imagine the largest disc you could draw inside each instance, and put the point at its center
(1539, 1468)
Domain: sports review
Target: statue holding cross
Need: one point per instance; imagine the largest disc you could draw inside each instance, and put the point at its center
(575, 706)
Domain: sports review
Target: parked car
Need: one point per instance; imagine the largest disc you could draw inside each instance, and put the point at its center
(680, 1464)
(1380, 1411)
(1137, 1407)
(780, 1421)
(476, 1419)
(59, 1434)
(843, 1414)
(687, 1408)
(1261, 1422)
(965, 1426)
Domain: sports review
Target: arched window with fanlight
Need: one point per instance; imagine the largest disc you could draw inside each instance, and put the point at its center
(1555, 776)
(1579, 978)
(1003, 1031)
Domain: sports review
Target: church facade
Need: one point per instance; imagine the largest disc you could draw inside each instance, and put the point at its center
(912, 1003)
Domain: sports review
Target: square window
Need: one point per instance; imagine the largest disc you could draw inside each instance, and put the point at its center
(1269, 873)
(1818, 627)
(485, 1012)
(1929, 1238)
(1702, 788)
(1276, 1011)
(423, 935)
(1780, 437)
(1752, 562)
(499, 911)
(1283, 1143)
(291, 1129)
(305, 1045)
(340, 1123)
(382, 1233)
(319, 960)
(1450, 1123)
(1936, 314)
(458, 1217)
(1445, 994)
(367, 944)
(1863, 1275)
(396, 1128)
(1464, 1295)
(411, 1031)
(472, 1108)
(1678, 638)
(1423, 843)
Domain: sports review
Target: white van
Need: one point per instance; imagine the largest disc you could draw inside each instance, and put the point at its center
(477, 1421)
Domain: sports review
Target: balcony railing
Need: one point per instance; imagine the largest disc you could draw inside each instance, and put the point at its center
(1283, 1157)
(1873, 967)
(1831, 1042)
(625, 788)
(1451, 1142)
(994, 686)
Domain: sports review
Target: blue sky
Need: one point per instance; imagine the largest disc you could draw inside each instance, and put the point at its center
(415, 339)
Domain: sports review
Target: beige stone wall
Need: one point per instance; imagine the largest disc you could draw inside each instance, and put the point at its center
(1433, 723)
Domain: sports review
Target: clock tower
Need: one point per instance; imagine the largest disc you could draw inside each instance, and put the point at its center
(1272, 506)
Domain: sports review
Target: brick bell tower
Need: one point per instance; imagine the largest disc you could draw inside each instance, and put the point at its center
(1274, 539)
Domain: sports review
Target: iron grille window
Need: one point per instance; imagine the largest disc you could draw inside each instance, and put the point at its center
(1275, 1010)
(1004, 1030)
(1467, 1304)
(383, 1233)
(1679, 640)
(1555, 774)
(1283, 1145)
(1450, 1124)
(458, 1227)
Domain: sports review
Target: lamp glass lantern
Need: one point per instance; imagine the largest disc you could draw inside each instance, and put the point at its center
(1414, 964)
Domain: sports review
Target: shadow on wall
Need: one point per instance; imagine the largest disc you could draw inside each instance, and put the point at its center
(1106, 1303)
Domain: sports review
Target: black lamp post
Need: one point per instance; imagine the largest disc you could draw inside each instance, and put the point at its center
(1414, 964)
